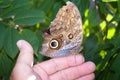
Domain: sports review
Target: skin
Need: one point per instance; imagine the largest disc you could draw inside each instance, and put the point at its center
(71, 67)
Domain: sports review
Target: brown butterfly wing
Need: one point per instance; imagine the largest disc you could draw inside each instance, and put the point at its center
(65, 31)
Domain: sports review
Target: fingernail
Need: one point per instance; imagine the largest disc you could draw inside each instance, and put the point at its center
(80, 57)
(19, 43)
(91, 65)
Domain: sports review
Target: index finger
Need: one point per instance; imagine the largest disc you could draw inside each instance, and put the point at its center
(57, 64)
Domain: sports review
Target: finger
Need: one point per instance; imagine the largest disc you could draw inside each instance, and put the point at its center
(23, 65)
(87, 77)
(58, 64)
(74, 72)
(26, 53)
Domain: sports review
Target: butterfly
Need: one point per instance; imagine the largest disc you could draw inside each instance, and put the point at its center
(64, 35)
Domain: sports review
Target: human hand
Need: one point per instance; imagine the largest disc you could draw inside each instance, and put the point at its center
(64, 68)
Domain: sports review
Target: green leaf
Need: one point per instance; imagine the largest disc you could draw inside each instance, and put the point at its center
(90, 43)
(90, 47)
(116, 41)
(5, 66)
(15, 7)
(4, 3)
(112, 76)
(118, 6)
(11, 39)
(31, 38)
(116, 66)
(116, 18)
(2, 34)
(29, 17)
(46, 5)
(102, 8)
(93, 19)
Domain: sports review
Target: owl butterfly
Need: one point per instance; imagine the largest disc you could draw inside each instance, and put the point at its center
(64, 36)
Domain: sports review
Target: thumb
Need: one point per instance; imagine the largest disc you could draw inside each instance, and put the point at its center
(26, 53)
(22, 68)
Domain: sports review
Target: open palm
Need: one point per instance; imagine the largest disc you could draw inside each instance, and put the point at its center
(64, 68)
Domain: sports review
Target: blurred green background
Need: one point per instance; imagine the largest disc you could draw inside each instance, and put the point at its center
(25, 19)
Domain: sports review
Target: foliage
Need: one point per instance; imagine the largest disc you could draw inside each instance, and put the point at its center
(24, 19)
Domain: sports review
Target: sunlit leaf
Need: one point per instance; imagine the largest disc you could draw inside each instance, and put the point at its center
(111, 32)
(103, 54)
(86, 12)
(109, 0)
(109, 17)
(103, 25)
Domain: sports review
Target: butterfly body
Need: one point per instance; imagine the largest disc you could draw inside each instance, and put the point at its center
(64, 36)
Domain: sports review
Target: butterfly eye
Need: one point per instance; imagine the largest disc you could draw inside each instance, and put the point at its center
(53, 44)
